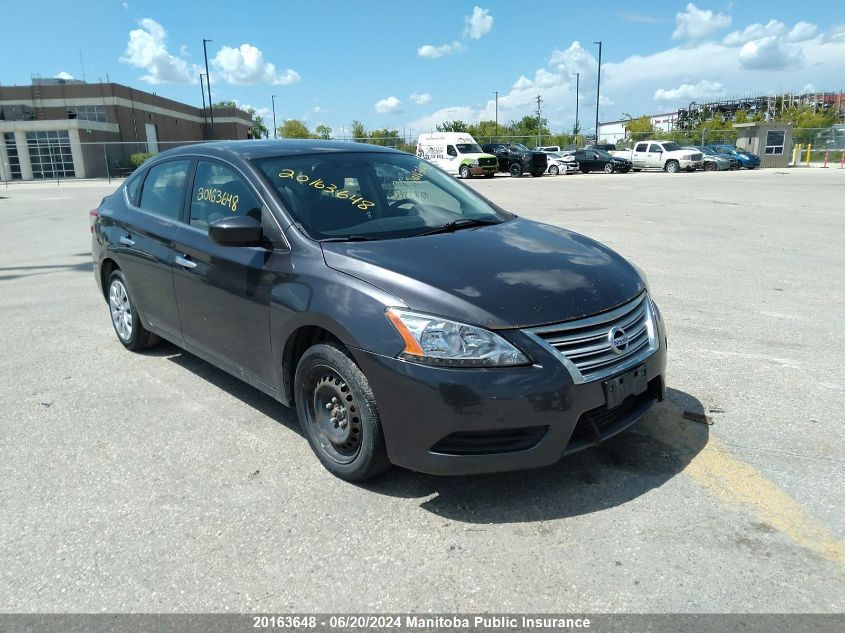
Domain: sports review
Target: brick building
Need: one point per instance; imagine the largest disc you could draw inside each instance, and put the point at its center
(58, 128)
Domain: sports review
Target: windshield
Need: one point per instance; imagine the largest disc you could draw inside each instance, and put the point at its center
(468, 148)
(371, 195)
(518, 147)
(671, 147)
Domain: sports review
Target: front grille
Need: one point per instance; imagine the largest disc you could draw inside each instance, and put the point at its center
(490, 442)
(487, 162)
(586, 347)
(697, 156)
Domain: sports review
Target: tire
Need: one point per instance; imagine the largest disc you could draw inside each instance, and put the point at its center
(465, 172)
(584, 170)
(673, 167)
(553, 170)
(326, 375)
(124, 316)
(637, 169)
(609, 168)
(515, 170)
(709, 166)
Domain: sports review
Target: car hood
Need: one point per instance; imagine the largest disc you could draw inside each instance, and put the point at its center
(515, 274)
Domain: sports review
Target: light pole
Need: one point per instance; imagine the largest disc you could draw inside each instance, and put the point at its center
(598, 92)
(496, 92)
(204, 112)
(539, 119)
(577, 100)
(275, 131)
(208, 83)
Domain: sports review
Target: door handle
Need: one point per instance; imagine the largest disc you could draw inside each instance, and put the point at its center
(185, 262)
(125, 239)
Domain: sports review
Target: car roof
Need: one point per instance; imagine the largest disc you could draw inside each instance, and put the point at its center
(253, 149)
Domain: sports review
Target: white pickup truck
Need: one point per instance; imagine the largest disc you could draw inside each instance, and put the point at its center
(665, 155)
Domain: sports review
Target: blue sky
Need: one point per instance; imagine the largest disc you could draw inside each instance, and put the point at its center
(409, 65)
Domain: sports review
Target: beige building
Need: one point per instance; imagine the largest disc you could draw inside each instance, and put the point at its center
(70, 129)
(772, 142)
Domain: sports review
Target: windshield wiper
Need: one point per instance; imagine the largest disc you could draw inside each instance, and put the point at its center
(456, 225)
(350, 238)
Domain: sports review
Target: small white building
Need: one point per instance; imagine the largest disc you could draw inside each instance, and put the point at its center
(613, 131)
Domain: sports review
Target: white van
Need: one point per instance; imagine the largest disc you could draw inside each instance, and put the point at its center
(456, 153)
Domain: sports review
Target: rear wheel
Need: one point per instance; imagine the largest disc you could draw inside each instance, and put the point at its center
(673, 167)
(338, 413)
(124, 316)
(608, 168)
(515, 170)
(465, 172)
(553, 170)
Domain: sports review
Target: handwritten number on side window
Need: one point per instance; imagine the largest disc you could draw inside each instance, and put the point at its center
(216, 196)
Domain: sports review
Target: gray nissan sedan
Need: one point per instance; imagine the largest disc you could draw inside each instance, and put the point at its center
(409, 320)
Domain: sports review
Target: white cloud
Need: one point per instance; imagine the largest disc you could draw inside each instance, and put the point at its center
(478, 24)
(64, 75)
(432, 52)
(245, 66)
(774, 28)
(390, 105)
(696, 24)
(802, 32)
(420, 99)
(147, 49)
(769, 53)
(686, 92)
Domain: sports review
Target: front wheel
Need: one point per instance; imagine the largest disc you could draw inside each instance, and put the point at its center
(709, 166)
(515, 170)
(673, 167)
(608, 168)
(338, 414)
(124, 316)
(465, 172)
(553, 170)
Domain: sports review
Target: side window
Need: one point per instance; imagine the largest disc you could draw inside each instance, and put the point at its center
(450, 149)
(132, 187)
(220, 191)
(164, 189)
(655, 148)
(641, 147)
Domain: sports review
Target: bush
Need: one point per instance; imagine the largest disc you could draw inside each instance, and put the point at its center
(138, 158)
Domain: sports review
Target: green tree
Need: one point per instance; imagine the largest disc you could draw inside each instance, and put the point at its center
(385, 137)
(257, 127)
(486, 131)
(359, 132)
(640, 128)
(293, 128)
(323, 131)
(529, 126)
(452, 126)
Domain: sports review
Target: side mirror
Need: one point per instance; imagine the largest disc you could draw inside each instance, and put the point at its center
(239, 230)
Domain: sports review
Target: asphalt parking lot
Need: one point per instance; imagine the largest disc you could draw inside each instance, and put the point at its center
(155, 482)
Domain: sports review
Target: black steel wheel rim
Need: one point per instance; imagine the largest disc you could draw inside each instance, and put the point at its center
(334, 416)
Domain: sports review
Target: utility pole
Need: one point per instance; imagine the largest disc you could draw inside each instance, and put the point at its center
(577, 100)
(208, 83)
(204, 112)
(496, 92)
(539, 119)
(275, 131)
(598, 93)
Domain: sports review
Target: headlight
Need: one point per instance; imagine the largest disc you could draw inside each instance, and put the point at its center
(436, 341)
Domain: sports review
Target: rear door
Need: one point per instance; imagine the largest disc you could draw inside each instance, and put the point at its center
(638, 156)
(145, 244)
(223, 292)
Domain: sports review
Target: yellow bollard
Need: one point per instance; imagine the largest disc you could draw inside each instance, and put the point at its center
(809, 147)
(796, 152)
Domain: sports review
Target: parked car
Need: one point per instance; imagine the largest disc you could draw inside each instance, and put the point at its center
(745, 159)
(456, 153)
(599, 160)
(561, 163)
(665, 155)
(516, 159)
(459, 339)
(548, 149)
(714, 161)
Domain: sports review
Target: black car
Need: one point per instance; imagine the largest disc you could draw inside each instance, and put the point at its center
(599, 160)
(516, 159)
(407, 318)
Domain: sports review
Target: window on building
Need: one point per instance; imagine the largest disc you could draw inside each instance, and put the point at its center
(50, 155)
(164, 189)
(774, 141)
(219, 191)
(88, 113)
(14, 159)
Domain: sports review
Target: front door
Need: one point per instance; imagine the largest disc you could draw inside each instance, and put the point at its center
(654, 158)
(223, 292)
(144, 245)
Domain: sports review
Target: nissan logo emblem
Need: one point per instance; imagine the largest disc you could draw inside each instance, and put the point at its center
(618, 340)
